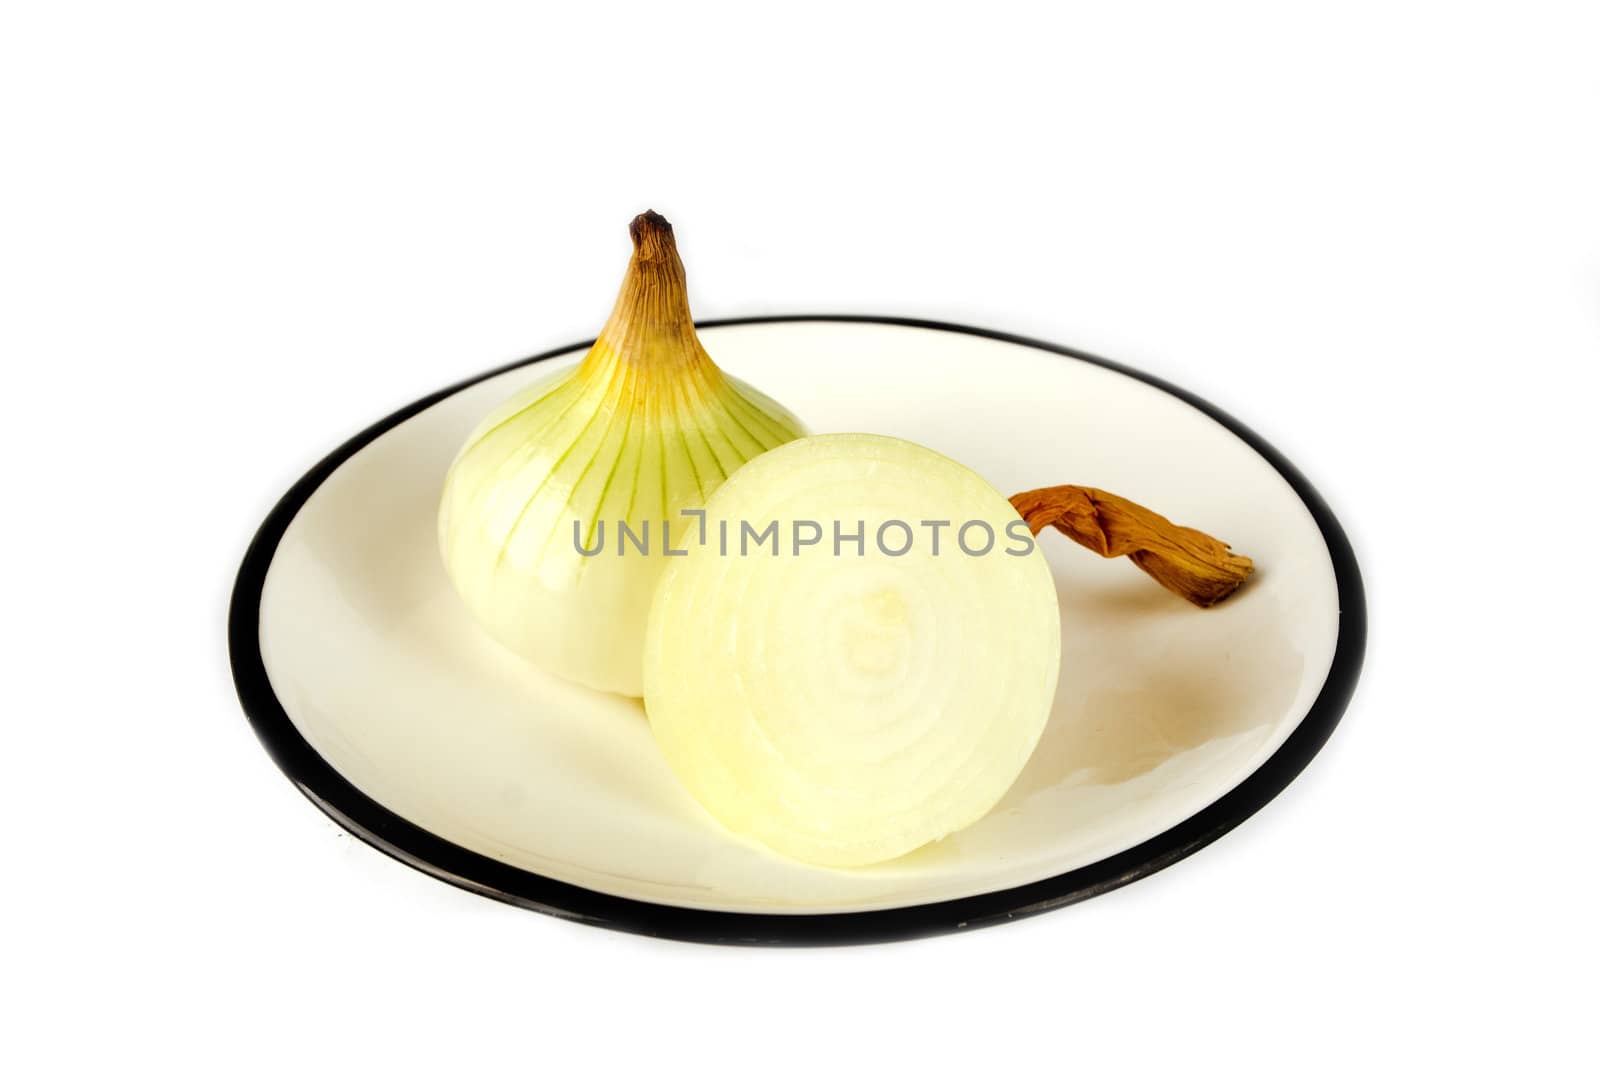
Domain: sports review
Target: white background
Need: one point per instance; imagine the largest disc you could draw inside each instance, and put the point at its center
(232, 235)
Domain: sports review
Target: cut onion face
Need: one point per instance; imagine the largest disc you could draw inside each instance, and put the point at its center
(846, 702)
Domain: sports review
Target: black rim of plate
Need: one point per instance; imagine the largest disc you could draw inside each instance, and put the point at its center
(371, 822)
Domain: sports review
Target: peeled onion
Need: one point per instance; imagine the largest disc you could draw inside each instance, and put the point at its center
(645, 426)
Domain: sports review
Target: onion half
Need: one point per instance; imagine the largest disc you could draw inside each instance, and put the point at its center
(846, 708)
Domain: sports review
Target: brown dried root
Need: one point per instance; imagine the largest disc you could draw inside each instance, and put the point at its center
(1195, 565)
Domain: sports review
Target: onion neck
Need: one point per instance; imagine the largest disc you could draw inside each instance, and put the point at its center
(650, 325)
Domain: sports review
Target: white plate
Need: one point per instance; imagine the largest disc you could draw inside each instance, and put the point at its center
(378, 696)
